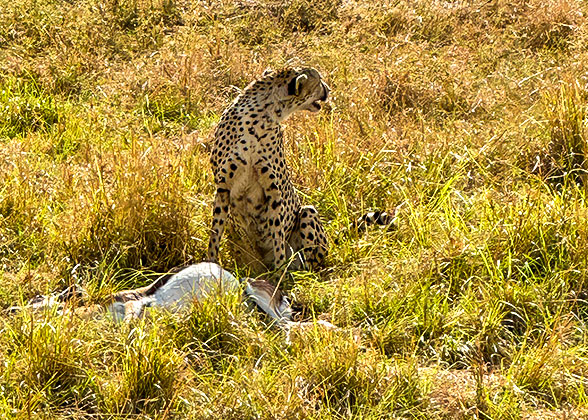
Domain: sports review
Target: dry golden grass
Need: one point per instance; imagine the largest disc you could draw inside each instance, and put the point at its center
(467, 117)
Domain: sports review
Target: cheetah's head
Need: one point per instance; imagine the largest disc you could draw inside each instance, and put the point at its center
(296, 89)
(306, 90)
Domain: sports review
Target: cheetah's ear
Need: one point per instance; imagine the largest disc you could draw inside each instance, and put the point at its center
(295, 85)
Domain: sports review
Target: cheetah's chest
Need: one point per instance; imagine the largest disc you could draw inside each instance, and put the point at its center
(249, 201)
(248, 161)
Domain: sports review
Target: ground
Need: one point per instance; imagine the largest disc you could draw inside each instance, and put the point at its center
(468, 118)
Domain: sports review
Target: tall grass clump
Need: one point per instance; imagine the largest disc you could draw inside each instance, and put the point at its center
(26, 108)
(216, 331)
(331, 370)
(549, 24)
(535, 369)
(146, 374)
(49, 357)
(566, 127)
(306, 16)
(138, 217)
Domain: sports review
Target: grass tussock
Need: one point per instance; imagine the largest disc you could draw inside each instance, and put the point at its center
(48, 361)
(467, 119)
(146, 376)
(566, 119)
(331, 369)
(216, 331)
(550, 24)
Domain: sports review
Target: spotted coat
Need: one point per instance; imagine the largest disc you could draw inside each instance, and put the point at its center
(251, 175)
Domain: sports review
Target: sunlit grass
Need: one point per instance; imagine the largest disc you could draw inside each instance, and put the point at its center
(465, 119)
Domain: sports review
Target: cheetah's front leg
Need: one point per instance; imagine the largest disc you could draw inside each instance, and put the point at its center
(219, 219)
(274, 223)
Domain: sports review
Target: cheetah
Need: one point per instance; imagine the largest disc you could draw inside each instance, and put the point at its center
(251, 176)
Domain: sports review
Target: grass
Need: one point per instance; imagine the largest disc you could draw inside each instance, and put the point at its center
(466, 118)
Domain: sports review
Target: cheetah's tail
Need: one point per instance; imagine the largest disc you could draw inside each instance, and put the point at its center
(382, 219)
(375, 218)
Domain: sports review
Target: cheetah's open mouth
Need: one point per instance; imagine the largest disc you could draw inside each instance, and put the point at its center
(315, 106)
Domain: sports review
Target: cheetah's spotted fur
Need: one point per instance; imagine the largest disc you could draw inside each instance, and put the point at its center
(251, 175)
